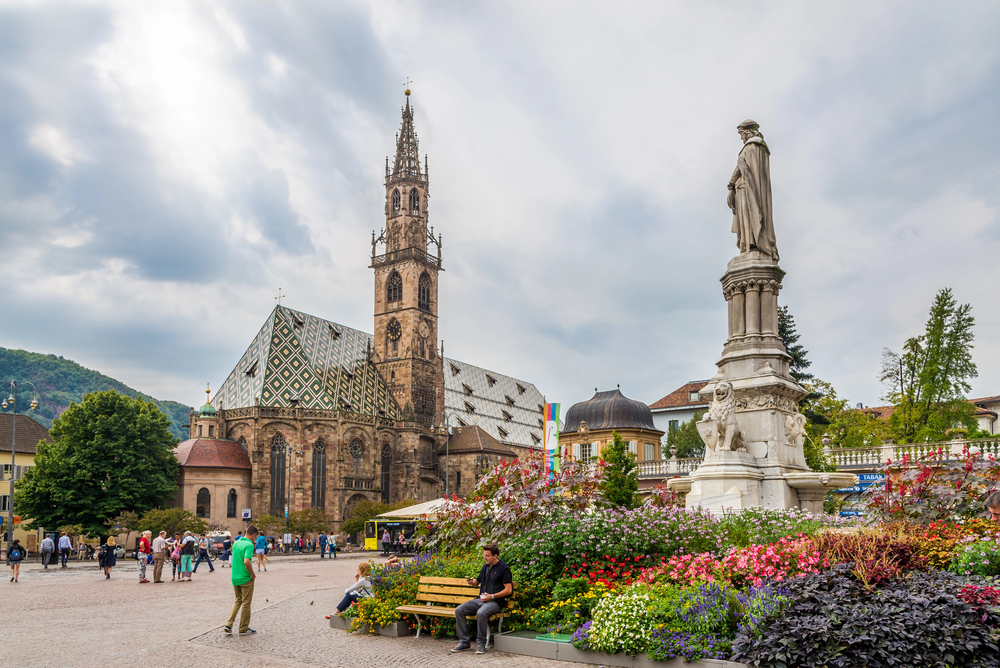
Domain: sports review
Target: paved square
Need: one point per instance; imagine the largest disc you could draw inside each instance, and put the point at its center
(75, 617)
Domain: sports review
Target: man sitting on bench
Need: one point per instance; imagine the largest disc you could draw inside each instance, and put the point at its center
(495, 585)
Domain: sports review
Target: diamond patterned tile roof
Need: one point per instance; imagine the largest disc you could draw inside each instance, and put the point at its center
(299, 356)
(506, 408)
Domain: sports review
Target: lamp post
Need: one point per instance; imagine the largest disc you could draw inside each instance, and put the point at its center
(445, 428)
(11, 391)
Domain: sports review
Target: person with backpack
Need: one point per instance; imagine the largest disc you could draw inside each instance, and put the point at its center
(203, 546)
(108, 559)
(15, 556)
(187, 555)
(260, 549)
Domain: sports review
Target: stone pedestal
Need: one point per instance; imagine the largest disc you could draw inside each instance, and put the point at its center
(755, 399)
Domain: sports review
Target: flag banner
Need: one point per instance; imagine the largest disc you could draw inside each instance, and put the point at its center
(551, 440)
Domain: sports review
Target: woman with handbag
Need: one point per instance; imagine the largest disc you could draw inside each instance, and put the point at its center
(108, 558)
(145, 555)
(175, 555)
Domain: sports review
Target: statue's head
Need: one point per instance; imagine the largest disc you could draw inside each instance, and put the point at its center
(747, 129)
(722, 391)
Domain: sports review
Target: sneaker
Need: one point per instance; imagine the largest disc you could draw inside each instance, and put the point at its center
(228, 630)
(461, 647)
(143, 580)
(480, 649)
(248, 632)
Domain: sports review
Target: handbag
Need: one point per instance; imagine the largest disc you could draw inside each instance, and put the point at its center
(149, 558)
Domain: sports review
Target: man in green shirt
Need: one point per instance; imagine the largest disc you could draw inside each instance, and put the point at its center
(243, 578)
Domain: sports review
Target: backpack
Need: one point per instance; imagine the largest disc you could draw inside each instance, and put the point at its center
(16, 555)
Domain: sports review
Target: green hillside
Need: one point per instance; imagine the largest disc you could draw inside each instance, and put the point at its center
(60, 381)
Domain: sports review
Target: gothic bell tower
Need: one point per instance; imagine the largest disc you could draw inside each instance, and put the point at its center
(406, 284)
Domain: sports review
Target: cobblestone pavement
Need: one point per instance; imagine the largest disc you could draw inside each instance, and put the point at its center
(74, 617)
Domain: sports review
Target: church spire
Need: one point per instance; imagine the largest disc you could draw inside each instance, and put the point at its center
(407, 162)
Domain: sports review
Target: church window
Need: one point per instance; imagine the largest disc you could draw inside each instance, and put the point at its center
(395, 201)
(423, 349)
(424, 292)
(506, 416)
(414, 202)
(521, 389)
(278, 452)
(508, 399)
(386, 472)
(467, 389)
(491, 380)
(243, 442)
(458, 480)
(211, 431)
(204, 503)
(503, 432)
(392, 376)
(231, 504)
(394, 288)
(319, 474)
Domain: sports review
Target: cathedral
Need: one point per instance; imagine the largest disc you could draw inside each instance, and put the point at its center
(316, 414)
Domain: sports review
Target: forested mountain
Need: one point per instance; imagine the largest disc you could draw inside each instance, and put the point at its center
(60, 381)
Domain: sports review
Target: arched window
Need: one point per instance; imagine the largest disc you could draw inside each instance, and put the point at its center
(394, 288)
(243, 442)
(386, 471)
(414, 201)
(395, 201)
(278, 449)
(231, 504)
(319, 474)
(424, 292)
(204, 507)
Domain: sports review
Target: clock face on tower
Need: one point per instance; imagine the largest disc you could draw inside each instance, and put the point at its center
(424, 329)
(394, 330)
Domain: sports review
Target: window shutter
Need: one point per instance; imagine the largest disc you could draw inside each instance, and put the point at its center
(576, 451)
(17, 472)
(595, 450)
(633, 448)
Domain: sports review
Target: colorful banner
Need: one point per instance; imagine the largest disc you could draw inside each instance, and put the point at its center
(551, 440)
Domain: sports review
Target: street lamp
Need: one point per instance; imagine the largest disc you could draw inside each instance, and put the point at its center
(445, 428)
(11, 391)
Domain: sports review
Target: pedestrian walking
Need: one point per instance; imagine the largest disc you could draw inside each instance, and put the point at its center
(48, 547)
(243, 578)
(227, 548)
(260, 549)
(347, 543)
(143, 555)
(187, 554)
(108, 558)
(15, 555)
(360, 589)
(386, 541)
(322, 545)
(160, 553)
(203, 545)
(65, 547)
(333, 545)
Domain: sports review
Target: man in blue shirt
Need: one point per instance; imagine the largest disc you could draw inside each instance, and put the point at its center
(322, 544)
(64, 549)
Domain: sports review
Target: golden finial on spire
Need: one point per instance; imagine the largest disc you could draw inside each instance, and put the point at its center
(407, 84)
(208, 394)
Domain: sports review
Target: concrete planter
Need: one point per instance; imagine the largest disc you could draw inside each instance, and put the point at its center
(542, 649)
(394, 630)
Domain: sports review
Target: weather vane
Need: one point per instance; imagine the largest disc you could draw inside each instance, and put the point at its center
(280, 296)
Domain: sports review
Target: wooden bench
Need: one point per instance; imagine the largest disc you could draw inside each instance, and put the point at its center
(438, 597)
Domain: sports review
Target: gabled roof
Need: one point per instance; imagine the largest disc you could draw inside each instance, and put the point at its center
(318, 362)
(986, 401)
(476, 439)
(29, 433)
(505, 408)
(681, 397)
(212, 454)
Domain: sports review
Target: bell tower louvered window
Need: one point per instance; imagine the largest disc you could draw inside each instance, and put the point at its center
(414, 202)
(394, 288)
(424, 292)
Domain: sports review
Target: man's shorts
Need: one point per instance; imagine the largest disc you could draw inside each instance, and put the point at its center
(259, 551)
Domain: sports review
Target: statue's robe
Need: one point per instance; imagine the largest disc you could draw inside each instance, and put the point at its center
(752, 221)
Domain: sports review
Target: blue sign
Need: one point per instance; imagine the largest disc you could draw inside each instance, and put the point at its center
(851, 513)
(871, 476)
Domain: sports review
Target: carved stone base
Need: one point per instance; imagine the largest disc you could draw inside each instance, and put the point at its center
(726, 481)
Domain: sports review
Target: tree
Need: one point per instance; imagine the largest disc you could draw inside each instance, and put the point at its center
(171, 520)
(269, 523)
(621, 474)
(367, 510)
(786, 330)
(686, 438)
(127, 521)
(310, 520)
(110, 453)
(928, 381)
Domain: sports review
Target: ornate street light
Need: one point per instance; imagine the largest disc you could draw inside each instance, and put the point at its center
(11, 390)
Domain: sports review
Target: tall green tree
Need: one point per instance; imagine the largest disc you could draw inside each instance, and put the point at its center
(126, 522)
(928, 381)
(171, 520)
(110, 453)
(309, 520)
(620, 483)
(686, 438)
(790, 337)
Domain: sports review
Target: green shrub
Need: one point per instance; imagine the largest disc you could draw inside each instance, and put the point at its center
(977, 557)
(622, 621)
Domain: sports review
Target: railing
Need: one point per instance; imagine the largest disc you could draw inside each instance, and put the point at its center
(265, 412)
(669, 467)
(411, 253)
(874, 457)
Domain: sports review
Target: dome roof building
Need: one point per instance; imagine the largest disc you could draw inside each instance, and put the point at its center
(591, 425)
(609, 410)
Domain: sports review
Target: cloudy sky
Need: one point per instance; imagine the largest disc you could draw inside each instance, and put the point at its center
(166, 167)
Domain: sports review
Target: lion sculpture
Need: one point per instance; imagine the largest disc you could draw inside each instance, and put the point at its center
(726, 436)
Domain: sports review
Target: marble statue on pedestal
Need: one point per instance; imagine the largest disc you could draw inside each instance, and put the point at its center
(750, 194)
